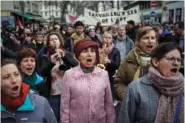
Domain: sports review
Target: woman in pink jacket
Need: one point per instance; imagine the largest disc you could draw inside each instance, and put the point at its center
(86, 94)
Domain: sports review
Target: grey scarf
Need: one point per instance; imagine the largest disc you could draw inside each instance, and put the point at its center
(169, 88)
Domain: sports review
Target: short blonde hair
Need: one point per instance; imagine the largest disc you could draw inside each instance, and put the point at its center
(106, 33)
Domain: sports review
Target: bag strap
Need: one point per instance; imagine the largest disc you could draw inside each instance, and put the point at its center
(178, 107)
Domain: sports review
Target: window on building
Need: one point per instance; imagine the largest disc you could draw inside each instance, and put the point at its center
(140, 7)
(45, 6)
(148, 4)
(145, 5)
(178, 14)
(46, 14)
(56, 13)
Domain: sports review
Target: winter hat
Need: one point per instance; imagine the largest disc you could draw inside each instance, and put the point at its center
(91, 28)
(83, 44)
(39, 33)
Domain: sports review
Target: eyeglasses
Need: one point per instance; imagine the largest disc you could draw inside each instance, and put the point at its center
(172, 60)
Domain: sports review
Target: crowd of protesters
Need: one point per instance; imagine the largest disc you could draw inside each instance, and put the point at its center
(77, 73)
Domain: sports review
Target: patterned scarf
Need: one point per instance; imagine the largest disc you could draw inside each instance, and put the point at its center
(169, 88)
(143, 60)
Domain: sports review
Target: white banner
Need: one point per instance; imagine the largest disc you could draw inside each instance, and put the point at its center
(109, 17)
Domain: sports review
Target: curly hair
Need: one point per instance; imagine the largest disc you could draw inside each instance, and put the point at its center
(57, 34)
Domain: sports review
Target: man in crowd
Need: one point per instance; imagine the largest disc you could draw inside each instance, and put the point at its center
(123, 42)
(79, 31)
(131, 30)
(114, 31)
(39, 41)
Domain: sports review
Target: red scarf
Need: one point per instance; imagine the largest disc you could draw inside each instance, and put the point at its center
(13, 104)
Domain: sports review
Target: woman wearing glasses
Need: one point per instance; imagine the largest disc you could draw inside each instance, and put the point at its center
(158, 96)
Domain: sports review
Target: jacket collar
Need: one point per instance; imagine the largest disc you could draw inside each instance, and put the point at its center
(79, 72)
(26, 106)
(34, 79)
(135, 55)
(145, 80)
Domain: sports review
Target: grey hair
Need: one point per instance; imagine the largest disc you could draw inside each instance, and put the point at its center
(122, 26)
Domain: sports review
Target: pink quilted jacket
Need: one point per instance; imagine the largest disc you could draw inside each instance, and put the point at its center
(86, 97)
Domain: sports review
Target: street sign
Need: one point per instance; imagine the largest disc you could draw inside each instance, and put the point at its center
(153, 4)
(153, 13)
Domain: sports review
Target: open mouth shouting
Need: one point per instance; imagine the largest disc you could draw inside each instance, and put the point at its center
(174, 70)
(89, 62)
(15, 90)
(29, 70)
(150, 47)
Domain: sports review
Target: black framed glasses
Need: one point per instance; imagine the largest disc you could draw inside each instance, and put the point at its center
(172, 60)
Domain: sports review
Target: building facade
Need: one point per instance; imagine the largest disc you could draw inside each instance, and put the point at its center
(19, 6)
(176, 11)
(50, 10)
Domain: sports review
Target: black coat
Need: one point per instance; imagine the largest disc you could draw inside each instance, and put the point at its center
(115, 59)
(68, 44)
(6, 53)
(47, 65)
(131, 33)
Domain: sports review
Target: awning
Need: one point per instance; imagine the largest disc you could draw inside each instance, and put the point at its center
(25, 15)
(36, 16)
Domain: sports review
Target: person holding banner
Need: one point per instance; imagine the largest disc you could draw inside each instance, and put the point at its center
(158, 96)
(137, 61)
